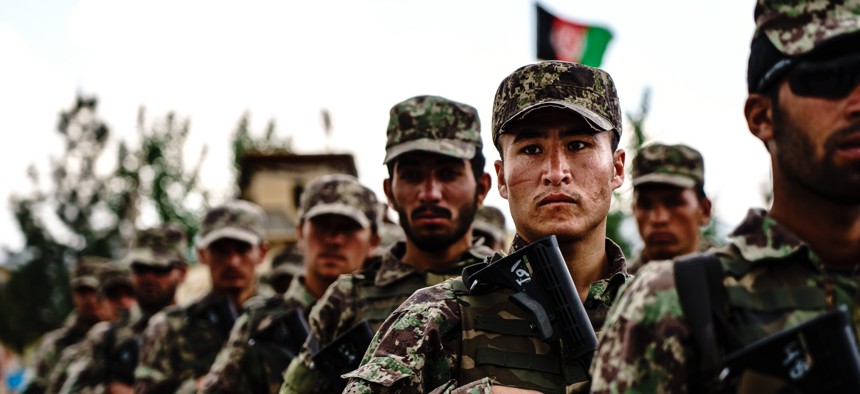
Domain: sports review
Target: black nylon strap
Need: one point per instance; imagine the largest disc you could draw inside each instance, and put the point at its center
(698, 280)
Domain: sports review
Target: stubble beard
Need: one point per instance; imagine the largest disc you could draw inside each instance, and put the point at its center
(823, 177)
(434, 242)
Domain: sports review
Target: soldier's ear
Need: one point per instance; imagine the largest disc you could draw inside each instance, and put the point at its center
(758, 111)
(386, 187)
(484, 183)
(500, 178)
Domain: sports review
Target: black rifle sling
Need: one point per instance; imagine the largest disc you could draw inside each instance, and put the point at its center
(698, 280)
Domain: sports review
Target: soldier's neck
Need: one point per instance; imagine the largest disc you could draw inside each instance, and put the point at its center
(316, 285)
(239, 297)
(831, 229)
(436, 260)
(586, 260)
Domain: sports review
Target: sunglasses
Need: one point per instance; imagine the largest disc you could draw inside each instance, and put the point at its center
(828, 79)
(143, 269)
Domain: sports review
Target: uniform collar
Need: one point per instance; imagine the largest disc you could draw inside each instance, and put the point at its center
(761, 237)
(297, 293)
(393, 269)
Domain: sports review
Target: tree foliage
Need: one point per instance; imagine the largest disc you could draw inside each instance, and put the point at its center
(87, 210)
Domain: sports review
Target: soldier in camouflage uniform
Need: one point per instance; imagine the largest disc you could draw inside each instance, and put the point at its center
(337, 232)
(118, 306)
(490, 226)
(556, 126)
(783, 266)
(110, 353)
(180, 343)
(669, 202)
(87, 312)
(436, 184)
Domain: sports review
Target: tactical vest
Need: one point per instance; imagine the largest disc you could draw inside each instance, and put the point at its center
(375, 304)
(726, 313)
(499, 341)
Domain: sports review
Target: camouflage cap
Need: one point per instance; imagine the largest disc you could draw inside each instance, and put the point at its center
(238, 219)
(114, 275)
(677, 165)
(433, 124)
(588, 91)
(163, 246)
(85, 273)
(796, 27)
(339, 194)
(491, 221)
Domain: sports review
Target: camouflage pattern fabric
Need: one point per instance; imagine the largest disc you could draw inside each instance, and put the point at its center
(164, 246)
(232, 371)
(370, 294)
(239, 219)
(340, 194)
(773, 281)
(677, 165)
(490, 220)
(796, 27)
(86, 271)
(586, 90)
(180, 344)
(417, 349)
(51, 349)
(105, 345)
(433, 124)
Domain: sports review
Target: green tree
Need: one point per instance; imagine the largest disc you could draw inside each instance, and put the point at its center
(90, 212)
(243, 142)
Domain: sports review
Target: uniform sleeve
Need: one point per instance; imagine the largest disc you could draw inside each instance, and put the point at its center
(155, 372)
(84, 372)
(333, 314)
(46, 357)
(228, 373)
(644, 345)
(413, 351)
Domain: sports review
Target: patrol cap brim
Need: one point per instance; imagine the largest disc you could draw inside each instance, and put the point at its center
(595, 120)
(229, 232)
(85, 283)
(454, 148)
(338, 209)
(487, 228)
(146, 257)
(665, 179)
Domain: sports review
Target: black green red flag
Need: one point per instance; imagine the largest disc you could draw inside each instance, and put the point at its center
(560, 39)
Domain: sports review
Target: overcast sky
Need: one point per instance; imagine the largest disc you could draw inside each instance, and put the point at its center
(211, 61)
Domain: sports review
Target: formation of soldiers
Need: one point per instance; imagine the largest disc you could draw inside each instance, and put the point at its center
(432, 313)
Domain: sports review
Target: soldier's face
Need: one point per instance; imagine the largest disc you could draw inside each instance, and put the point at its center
(333, 245)
(231, 263)
(117, 300)
(436, 197)
(558, 175)
(815, 142)
(669, 219)
(87, 304)
(155, 287)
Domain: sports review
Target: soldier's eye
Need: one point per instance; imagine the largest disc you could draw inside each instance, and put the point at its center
(531, 150)
(576, 145)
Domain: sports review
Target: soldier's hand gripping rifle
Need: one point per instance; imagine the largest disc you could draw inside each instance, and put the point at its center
(543, 285)
(818, 356)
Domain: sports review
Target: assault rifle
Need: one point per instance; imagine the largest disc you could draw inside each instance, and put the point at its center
(344, 354)
(818, 356)
(274, 346)
(543, 287)
(122, 361)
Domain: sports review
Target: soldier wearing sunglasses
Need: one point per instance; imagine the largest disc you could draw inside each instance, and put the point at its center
(784, 266)
(110, 352)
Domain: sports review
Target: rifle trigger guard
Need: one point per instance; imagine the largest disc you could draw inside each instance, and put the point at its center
(523, 300)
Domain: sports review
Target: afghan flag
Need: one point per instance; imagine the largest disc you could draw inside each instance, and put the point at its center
(559, 39)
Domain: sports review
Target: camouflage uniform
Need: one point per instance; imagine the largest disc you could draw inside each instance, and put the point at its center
(676, 165)
(429, 323)
(74, 329)
(423, 123)
(237, 369)
(372, 294)
(110, 351)
(491, 222)
(429, 343)
(180, 343)
(773, 280)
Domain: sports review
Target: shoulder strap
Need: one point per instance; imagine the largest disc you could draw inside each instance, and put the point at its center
(698, 279)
